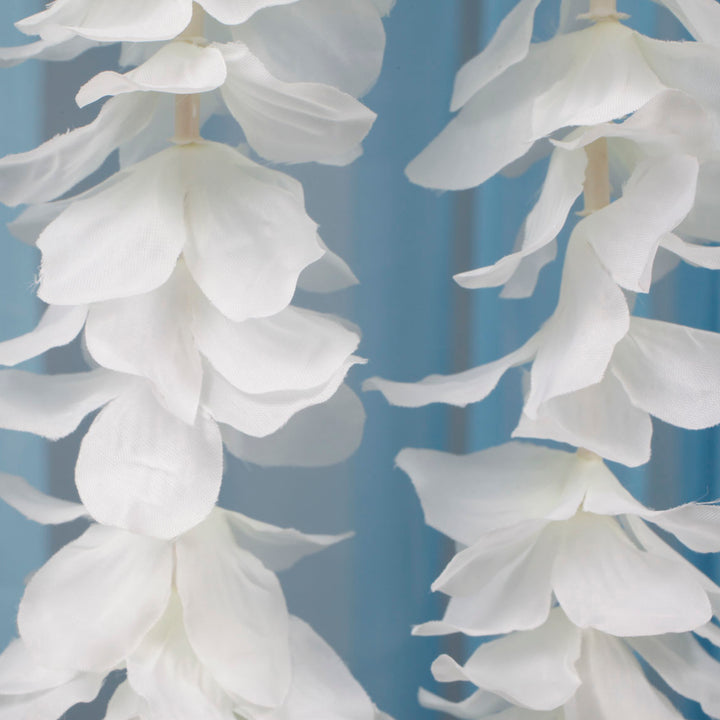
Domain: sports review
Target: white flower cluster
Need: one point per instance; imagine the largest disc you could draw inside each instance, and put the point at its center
(178, 273)
(555, 556)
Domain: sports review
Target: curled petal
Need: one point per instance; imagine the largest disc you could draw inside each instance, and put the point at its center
(36, 505)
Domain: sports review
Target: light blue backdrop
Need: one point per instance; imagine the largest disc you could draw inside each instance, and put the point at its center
(404, 244)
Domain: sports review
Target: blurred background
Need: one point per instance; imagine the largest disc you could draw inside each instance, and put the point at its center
(404, 243)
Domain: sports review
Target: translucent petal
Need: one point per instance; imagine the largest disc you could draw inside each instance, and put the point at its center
(707, 256)
(328, 274)
(235, 12)
(105, 573)
(671, 371)
(142, 469)
(339, 421)
(292, 122)
(45, 50)
(20, 673)
(57, 165)
(235, 614)
(58, 326)
(36, 505)
(124, 704)
(700, 17)
(177, 68)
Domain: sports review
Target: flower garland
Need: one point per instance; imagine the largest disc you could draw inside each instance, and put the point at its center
(555, 555)
(178, 272)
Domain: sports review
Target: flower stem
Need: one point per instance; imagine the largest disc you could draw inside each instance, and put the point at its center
(603, 7)
(597, 176)
(187, 107)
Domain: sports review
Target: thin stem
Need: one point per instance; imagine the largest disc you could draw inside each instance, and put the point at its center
(187, 107)
(597, 176)
(603, 7)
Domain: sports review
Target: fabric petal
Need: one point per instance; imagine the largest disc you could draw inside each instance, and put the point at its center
(509, 45)
(105, 20)
(614, 685)
(170, 678)
(124, 704)
(57, 327)
(277, 548)
(682, 663)
(577, 342)
(478, 705)
(235, 614)
(177, 68)
(232, 12)
(339, 421)
(563, 185)
(67, 49)
(523, 281)
(459, 389)
(672, 372)
(57, 165)
(36, 505)
(296, 349)
(706, 256)
(700, 17)
(54, 703)
(464, 496)
(328, 274)
(251, 236)
(535, 669)
(150, 335)
(20, 672)
(260, 415)
(322, 686)
(600, 418)
(499, 585)
(121, 241)
(334, 42)
(292, 122)
(141, 469)
(54, 405)
(627, 233)
(105, 573)
(602, 580)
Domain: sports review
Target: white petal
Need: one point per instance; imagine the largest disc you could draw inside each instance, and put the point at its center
(142, 469)
(177, 68)
(122, 241)
(535, 669)
(703, 221)
(58, 326)
(235, 614)
(700, 17)
(167, 674)
(20, 673)
(328, 274)
(260, 415)
(672, 372)
(94, 600)
(124, 704)
(682, 663)
(459, 389)
(339, 422)
(277, 548)
(563, 185)
(296, 349)
(106, 20)
(322, 686)
(524, 280)
(509, 45)
(335, 42)
(706, 256)
(464, 496)
(600, 418)
(251, 236)
(614, 685)
(54, 703)
(150, 335)
(626, 233)
(577, 342)
(602, 580)
(235, 12)
(28, 225)
(291, 122)
(479, 705)
(45, 50)
(36, 505)
(57, 165)
(499, 585)
(54, 405)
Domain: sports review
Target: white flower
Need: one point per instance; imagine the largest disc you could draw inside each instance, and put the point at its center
(540, 524)
(200, 624)
(592, 76)
(560, 672)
